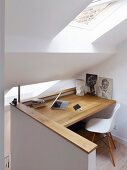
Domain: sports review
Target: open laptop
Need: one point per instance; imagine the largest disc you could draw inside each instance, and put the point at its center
(59, 104)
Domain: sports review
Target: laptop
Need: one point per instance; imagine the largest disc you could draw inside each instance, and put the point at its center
(59, 104)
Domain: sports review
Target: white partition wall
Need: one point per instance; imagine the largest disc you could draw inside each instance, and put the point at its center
(1, 84)
(116, 68)
(36, 147)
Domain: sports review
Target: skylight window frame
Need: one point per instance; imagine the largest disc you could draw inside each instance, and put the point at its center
(99, 17)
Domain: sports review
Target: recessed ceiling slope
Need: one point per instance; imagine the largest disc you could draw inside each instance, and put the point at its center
(100, 17)
(27, 68)
(115, 36)
(40, 18)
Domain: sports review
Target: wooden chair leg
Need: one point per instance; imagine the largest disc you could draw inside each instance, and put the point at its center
(112, 140)
(93, 137)
(110, 148)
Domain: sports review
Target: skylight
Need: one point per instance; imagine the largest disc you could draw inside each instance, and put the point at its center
(87, 15)
(92, 11)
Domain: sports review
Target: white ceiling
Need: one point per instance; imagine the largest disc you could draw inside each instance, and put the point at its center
(114, 36)
(29, 68)
(35, 20)
(40, 18)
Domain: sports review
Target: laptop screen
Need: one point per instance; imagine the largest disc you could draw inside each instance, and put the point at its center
(57, 104)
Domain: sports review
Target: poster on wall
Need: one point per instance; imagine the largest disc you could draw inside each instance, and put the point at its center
(91, 81)
(105, 86)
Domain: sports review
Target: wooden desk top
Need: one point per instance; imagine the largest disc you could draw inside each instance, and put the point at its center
(89, 106)
(58, 120)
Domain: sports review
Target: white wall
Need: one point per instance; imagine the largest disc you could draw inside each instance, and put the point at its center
(1, 84)
(51, 89)
(116, 68)
(7, 132)
(36, 147)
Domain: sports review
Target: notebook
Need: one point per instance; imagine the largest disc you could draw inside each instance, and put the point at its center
(59, 104)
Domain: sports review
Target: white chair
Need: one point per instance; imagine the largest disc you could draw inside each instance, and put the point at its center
(104, 126)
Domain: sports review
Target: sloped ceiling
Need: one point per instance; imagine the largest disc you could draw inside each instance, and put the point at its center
(33, 20)
(44, 19)
(30, 68)
(40, 18)
(114, 36)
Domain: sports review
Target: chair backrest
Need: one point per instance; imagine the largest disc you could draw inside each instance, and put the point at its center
(112, 118)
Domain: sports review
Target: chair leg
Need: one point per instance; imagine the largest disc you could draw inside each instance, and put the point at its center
(93, 137)
(112, 140)
(110, 148)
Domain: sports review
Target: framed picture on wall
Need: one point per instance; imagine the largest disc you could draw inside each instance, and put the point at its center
(105, 87)
(91, 80)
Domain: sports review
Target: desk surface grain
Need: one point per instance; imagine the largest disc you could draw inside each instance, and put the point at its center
(89, 106)
(58, 120)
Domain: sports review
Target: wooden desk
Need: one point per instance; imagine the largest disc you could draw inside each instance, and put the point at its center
(58, 120)
(89, 104)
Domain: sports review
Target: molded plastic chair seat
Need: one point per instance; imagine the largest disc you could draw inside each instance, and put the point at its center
(98, 125)
(104, 126)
